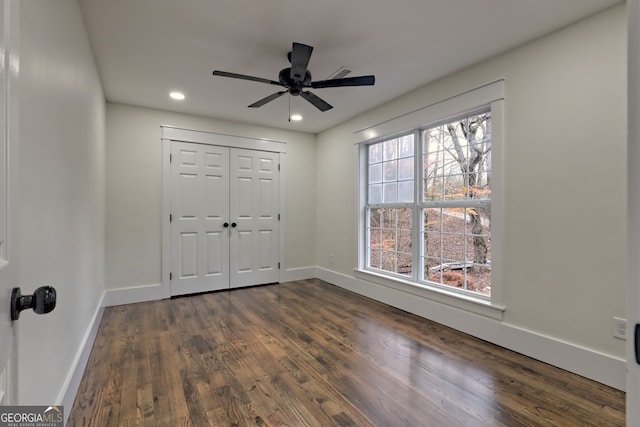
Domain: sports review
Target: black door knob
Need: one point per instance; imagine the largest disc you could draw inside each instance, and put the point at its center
(225, 225)
(233, 224)
(42, 301)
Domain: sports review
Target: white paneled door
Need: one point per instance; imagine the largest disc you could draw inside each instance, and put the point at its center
(254, 206)
(224, 217)
(199, 213)
(8, 199)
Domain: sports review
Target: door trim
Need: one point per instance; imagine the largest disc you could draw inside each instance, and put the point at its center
(172, 133)
(633, 210)
(200, 137)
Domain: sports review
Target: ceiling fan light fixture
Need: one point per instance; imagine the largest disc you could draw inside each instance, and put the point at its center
(178, 96)
(296, 117)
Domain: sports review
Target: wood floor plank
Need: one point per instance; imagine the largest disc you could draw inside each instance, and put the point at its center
(311, 354)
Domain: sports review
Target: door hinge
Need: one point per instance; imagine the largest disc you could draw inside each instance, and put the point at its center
(636, 342)
(278, 217)
(278, 266)
(170, 276)
(278, 167)
(170, 158)
(170, 218)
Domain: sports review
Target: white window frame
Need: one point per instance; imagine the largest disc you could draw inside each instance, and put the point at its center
(489, 96)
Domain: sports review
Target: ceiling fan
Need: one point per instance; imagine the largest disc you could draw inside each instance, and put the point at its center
(297, 79)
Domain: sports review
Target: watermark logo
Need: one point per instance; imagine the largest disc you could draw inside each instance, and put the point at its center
(31, 416)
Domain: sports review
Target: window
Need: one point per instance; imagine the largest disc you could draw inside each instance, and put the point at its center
(391, 185)
(426, 200)
(430, 201)
(456, 203)
(453, 205)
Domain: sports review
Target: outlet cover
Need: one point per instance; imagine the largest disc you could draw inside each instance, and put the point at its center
(620, 328)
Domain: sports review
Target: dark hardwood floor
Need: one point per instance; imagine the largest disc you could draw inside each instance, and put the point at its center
(311, 354)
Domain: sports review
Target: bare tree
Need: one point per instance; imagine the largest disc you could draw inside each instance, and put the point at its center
(473, 162)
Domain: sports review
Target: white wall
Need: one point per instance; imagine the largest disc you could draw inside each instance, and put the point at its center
(134, 191)
(61, 195)
(565, 181)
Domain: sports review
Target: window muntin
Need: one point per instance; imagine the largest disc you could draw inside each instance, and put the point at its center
(453, 243)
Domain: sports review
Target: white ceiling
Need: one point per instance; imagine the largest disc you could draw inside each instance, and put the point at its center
(146, 48)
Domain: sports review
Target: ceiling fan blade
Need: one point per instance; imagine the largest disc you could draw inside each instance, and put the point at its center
(269, 98)
(317, 102)
(300, 55)
(244, 77)
(348, 81)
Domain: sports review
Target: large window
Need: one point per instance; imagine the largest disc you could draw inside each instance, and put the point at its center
(428, 205)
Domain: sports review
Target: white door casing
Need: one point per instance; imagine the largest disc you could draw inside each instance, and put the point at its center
(633, 159)
(223, 202)
(254, 202)
(8, 198)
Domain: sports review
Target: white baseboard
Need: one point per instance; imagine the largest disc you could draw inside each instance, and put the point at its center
(590, 364)
(157, 292)
(70, 387)
(294, 274)
(136, 294)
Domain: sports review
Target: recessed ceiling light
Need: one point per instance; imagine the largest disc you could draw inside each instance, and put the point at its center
(296, 117)
(178, 96)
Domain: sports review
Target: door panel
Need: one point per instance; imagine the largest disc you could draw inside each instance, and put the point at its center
(8, 198)
(217, 243)
(189, 255)
(199, 207)
(254, 203)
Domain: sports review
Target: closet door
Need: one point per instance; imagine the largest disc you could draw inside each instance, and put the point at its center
(254, 202)
(199, 211)
(224, 218)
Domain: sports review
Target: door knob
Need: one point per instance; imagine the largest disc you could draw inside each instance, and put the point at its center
(42, 301)
(225, 225)
(233, 224)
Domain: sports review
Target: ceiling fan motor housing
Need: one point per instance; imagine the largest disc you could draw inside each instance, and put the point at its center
(295, 85)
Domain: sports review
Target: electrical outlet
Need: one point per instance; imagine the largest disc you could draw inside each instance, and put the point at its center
(620, 328)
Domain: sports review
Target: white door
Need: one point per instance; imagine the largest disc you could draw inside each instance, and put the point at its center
(633, 301)
(254, 209)
(224, 217)
(199, 212)
(8, 192)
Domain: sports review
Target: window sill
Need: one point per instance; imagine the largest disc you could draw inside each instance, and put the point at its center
(464, 302)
